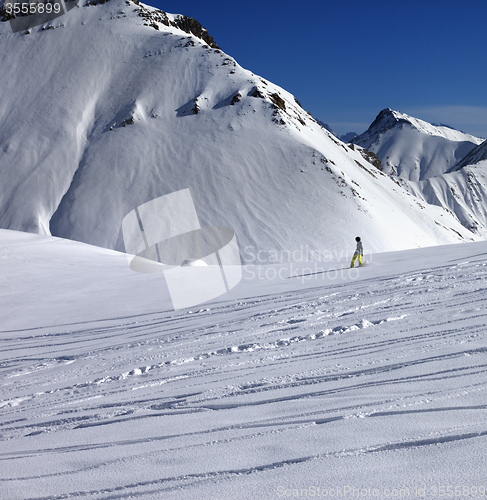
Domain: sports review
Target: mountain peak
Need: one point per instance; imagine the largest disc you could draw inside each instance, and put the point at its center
(389, 115)
(412, 148)
(388, 119)
(385, 120)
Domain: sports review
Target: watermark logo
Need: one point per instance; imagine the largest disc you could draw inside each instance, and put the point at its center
(198, 263)
(303, 263)
(25, 15)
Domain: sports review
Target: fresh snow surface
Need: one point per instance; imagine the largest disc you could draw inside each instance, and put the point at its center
(98, 117)
(475, 156)
(367, 382)
(463, 192)
(414, 149)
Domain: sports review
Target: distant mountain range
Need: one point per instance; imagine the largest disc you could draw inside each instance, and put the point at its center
(117, 103)
(344, 138)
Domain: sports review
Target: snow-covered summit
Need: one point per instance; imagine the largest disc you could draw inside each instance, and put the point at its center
(389, 118)
(412, 148)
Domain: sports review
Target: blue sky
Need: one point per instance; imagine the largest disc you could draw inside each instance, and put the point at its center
(346, 60)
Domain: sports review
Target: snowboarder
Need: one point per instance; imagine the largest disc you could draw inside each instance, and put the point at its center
(359, 252)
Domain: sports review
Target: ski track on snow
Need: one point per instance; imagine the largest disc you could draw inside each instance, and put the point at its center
(239, 374)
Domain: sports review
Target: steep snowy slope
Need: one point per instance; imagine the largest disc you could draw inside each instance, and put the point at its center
(113, 104)
(475, 156)
(414, 149)
(463, 192)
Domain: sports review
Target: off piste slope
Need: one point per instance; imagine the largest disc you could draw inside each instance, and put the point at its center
(475, 156)
(115, 104)
(373, 379)
(414, 149)
(463, 192)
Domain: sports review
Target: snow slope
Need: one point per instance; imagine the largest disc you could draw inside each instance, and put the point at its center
(477, 155)
(430, 163)
(371, 380)
(463, 192)
(111, 105)
(414, 149)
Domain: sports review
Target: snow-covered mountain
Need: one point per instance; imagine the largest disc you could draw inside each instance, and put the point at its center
(114, 104)
(427, 160)
(414, 149)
